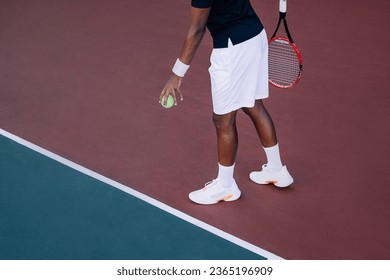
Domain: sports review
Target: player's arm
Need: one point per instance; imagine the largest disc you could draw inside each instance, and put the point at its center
(197, 29)
(198, 21)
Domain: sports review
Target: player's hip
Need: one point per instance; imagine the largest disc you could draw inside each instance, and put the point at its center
(241, 56)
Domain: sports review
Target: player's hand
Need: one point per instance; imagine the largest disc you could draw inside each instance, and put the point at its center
(172, 87)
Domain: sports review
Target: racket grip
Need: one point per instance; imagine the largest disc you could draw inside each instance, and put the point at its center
(283, 6)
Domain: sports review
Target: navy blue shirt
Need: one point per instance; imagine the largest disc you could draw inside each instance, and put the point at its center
(234, 19)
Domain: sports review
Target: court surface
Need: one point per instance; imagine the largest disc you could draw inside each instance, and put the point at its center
(53, 211)
(81, 79)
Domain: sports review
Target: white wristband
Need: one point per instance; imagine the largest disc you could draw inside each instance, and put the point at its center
(180, 68)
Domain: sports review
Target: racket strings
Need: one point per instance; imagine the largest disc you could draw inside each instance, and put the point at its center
(284, 65)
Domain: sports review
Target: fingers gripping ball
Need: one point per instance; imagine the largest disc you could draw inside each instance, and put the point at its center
(169, 102)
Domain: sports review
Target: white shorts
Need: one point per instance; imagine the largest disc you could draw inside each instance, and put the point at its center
(239, 74)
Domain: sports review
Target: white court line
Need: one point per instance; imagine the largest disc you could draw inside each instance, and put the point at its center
(143, 197)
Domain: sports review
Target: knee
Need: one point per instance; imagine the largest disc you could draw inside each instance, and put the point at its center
(257, 109)
(224, 122)
(251, 112)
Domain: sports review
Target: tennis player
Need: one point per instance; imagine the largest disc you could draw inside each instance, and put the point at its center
(239, 80)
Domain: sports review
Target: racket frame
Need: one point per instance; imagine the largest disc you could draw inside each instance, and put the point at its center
(295, 48)
(289, 40)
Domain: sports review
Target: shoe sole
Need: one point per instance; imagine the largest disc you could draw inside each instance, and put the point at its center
(228, 198)
(231, 197)
(276, 183)
(285, 185)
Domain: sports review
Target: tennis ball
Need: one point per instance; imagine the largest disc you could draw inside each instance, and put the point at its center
(170, 102)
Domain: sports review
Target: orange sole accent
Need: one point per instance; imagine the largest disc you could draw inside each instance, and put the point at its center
(228, 197)
(271, 182)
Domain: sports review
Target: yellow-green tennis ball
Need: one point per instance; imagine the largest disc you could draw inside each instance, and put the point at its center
(170, 102)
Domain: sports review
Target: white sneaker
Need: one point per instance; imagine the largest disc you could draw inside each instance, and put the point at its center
(280, 179)
(213, 192)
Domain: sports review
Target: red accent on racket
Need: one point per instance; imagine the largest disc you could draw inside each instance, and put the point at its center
(285, 60)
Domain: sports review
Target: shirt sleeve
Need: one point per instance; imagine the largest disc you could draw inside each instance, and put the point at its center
(201, 3)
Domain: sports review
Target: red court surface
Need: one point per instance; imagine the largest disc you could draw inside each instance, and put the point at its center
(82, 79)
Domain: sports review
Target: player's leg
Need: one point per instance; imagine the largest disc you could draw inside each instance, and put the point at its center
(227, 138)
(263, 123)
(224, 188)
(274, 171)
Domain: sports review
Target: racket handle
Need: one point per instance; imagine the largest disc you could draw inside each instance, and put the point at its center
(283, 6)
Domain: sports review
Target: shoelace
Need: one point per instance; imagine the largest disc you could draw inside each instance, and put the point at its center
(210, 184)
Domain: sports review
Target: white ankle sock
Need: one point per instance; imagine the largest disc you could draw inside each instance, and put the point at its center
(273, 157)
(225, 175)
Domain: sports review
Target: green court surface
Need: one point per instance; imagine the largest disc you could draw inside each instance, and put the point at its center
(49, 211)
